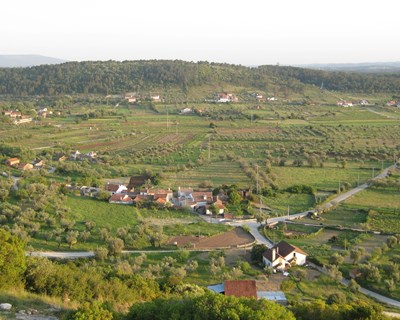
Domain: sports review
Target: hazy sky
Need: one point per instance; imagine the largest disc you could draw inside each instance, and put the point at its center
(249, 32)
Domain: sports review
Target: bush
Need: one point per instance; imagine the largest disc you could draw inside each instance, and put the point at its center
(92, 311)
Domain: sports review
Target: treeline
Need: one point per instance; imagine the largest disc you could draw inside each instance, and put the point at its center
(338, 81)
(106, 77)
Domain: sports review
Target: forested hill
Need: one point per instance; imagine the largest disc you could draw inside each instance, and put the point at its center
(111, 77)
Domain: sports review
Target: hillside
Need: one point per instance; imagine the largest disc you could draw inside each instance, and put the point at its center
(26, 60)
(368, 67)
(112, 77)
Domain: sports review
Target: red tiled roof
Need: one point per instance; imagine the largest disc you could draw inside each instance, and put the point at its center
(199, 196)
(136, 181)
(120, 198)
(112, 187)
(241, 288)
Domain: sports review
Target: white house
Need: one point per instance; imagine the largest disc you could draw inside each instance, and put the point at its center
(115, 188)
(282, 255)
(186, 111)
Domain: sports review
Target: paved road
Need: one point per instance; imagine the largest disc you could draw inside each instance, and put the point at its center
(369, 293)
(382, 114)
(341, 197)
(90, 254)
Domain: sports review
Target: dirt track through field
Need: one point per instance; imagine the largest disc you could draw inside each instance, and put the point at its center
(231, 239)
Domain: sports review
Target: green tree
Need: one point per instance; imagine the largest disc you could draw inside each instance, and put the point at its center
(209, 306)
(356, 254)
(115, 246)
(12, 260)
(92, 311)
(391, 241)
(257, 252)
(336, 259)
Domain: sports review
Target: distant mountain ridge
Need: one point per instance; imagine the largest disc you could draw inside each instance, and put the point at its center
(27, 60)
(369, 67)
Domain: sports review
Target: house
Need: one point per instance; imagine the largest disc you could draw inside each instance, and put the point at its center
(120, 199)
(156, 98)
(140, 198)
(136, 182)
(131, 97)
(12, 161)
(344, 103)
(186, 111)
(23, 119)
(259, 97)
(275, 296)
(115, 188)
(89, 191)
(247, 288)
(272, 99)
(90, 155)
(165, 194)
(25, 166)
(202, 201)
(363, 102)
(42, 112)
(224, 97)
(13, 114)
(76, 155)
(282, 255)
(391, 103)
(237, 288)
(38, 163)
(60, 157)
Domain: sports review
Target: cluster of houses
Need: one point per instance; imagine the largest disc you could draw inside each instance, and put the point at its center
(345, 104)
(200, 201)
(17, 116)
(25, 166)
(76, 156)
(393, 103)
(224, 97)
(262, 98)
(133, 97)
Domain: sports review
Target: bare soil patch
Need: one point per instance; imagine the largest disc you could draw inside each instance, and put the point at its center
(231, 239)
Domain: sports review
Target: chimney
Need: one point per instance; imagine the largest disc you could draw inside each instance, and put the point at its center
(273, 254)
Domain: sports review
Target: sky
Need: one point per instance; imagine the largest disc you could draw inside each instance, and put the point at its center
(252, 32)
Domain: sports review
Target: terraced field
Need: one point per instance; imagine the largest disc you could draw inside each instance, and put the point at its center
(218, 173)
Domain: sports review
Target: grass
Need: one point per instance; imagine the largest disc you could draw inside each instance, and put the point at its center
(102, 213)
(216, 172)
(296, 203)
(345, 215)
(326, 178)
(23, 300)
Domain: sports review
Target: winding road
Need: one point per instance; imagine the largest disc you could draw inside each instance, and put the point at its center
(253, 228)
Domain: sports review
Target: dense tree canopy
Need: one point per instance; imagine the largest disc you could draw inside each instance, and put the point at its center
(120, 77)
(12, 260)
(208, 307)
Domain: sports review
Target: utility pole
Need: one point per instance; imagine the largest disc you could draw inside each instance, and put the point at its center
(381, 164)
(209, 148)
(373, 172)
(167, 121)
(358, 179)
(339, 187)
(288, 212)
(257, 178)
